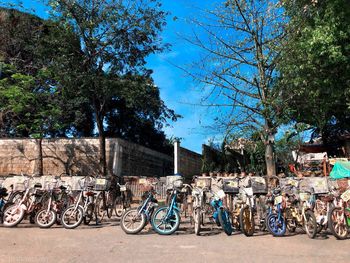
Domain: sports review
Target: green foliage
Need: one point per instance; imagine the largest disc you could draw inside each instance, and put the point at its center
(315, 66)
(52, 55)
(31, 109)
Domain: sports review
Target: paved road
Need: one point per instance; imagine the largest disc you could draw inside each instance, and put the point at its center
(108, 243)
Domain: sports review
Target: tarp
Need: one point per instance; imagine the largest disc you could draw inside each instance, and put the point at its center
(340, 170)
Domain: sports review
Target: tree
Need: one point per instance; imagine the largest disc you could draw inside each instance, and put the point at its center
(315, 65)
(31, 107)
(240, 41)
(116, 36)
(138, 114)
(32, 103)
(29, 46)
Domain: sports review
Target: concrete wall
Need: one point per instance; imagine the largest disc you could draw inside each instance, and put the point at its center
(80, 157)
(190, 163)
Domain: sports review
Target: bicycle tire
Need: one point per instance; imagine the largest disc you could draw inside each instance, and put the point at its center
(78, 216)
(197, 221)
(339, 229)
(15, 197)
(101, 207)
(41, 222)
(310, 224)
(224, 220)
(174, 221)
(246, 221)
(125, 226)
(277, 229)
(89, 214)
(8, 219)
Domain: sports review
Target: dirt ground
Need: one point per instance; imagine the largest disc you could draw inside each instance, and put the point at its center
(108, 243)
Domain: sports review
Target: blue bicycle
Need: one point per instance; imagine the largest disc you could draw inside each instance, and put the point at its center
(204, 193)
(275, 222)
(166, 219)
(135, 219)
(221, 215)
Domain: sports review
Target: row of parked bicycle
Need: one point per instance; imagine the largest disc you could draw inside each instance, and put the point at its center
(243, 204)
(234, 204)
(56, 202)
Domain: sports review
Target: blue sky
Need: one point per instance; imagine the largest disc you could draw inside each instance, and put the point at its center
(178, 91)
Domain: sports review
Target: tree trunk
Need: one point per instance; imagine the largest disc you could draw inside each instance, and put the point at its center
(270, 159)
(39, 165)
(103, 162)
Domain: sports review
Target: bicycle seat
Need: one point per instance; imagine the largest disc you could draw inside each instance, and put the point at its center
(90, 193)
(63, 187)
(38, 185)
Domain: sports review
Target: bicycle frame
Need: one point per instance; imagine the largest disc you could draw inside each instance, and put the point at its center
(173, 205)
(146, 206)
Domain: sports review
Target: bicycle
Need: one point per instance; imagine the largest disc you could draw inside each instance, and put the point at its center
(166, 219)
(135, 219)
(30, 204)
(83, 209)
(221, 215)
(299, 212)
(122, 202)
(58, 200)
(339, 219)
(200, 202)
(103, 200)
(322, 209)
(275, 221)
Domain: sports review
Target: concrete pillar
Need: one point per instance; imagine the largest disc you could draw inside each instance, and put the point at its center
(176, 157)
(117, 159)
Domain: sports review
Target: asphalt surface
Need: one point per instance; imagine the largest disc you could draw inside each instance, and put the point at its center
(108, 243)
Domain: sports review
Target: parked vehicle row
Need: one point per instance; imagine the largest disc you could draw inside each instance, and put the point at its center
(233, 204)
(55, 202)
(283, 208)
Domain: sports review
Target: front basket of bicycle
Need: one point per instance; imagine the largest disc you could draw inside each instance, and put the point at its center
(259, 185)
(203, 182)
(101, 184)
(174, 181)
(230, 185)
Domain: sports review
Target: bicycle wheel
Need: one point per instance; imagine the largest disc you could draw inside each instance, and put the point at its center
(72, 217)
(101, 207)
(109, 205)
(337, 223)
(89, 213)
(224, 220)
(132, 222)
(277, 227)
(13, 215)
(45, 219)
(246, 220)
(119, 207)
(163, 223)
(310, 224)
(197, 221)
(15, 197)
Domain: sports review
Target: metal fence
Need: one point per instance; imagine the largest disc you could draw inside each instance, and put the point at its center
(137, 190)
